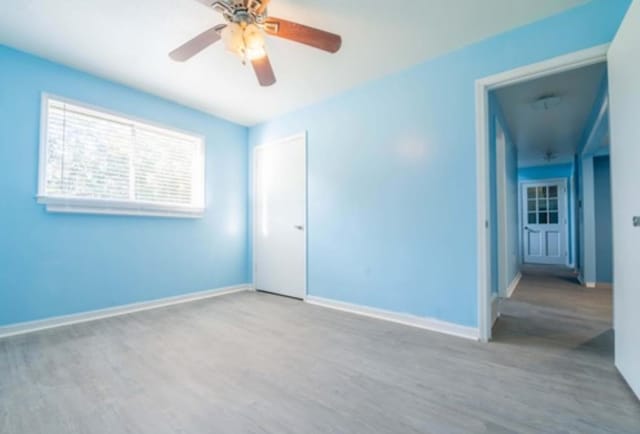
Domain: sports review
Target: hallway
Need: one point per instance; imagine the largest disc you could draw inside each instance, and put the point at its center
(550, 310)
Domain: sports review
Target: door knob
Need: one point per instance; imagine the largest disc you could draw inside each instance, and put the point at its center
(299, 227)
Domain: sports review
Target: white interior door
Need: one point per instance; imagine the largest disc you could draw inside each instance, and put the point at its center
(624, 106)
(279, 240)
(544, 231)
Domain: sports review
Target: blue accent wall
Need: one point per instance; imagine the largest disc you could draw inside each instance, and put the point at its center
(57, 264)
(604, 228)
(392, 171)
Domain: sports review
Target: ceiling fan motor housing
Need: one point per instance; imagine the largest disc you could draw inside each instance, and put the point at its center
(243, 12)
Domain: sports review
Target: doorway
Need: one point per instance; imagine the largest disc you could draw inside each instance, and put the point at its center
(546, 244)
(549, 131)
(280, 217)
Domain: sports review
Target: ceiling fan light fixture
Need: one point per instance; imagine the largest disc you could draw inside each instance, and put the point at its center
(233, 38)
(247, 22)
(254, 42)
(255, 53)
(245, 41)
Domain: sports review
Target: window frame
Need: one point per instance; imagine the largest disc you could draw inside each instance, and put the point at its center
(61, 204)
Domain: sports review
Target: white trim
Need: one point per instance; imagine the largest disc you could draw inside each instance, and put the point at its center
(593, 284)
(61, 204)
(514, 284)
(502, 211)
(400, 318)
(555, 65)
(482, 224)
(114, 207)
(304, 136)
(76, 318)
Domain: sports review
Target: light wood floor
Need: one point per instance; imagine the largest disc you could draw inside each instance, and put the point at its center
(258, 363)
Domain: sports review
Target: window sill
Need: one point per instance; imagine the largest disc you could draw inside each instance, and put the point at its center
(121, 208)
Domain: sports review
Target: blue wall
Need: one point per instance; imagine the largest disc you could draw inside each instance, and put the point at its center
(551, 171)
(604, 228)
(56, 264)
(392, 171)
(594, 135)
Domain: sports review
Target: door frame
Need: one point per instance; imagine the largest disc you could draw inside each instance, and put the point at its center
(565, 211)
(253, 183)
(502, 199)
(483, 86)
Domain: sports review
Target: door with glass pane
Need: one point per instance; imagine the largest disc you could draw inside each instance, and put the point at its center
(544, 231)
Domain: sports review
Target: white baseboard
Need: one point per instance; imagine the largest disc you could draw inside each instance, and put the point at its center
(585, 284)
(401, 318)
(513, 285)
(59, 321)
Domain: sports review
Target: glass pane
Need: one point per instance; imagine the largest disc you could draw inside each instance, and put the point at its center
(542, 204)
(542, 191)
(553, 204)
(531, 192)
(532, 205)
(532, 218)
(553, 191)
(553, 218)
(542, 218)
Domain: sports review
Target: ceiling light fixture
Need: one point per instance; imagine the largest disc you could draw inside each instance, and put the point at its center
(546, 102)
(246, 41)
(549, 156)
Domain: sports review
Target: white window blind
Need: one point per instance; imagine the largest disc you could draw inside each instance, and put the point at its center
(94, 161)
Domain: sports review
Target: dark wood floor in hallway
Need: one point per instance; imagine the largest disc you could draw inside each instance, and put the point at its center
(258, 363)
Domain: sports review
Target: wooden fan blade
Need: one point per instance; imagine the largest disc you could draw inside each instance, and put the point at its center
(303, 34)
(190, 48)
(263, 7)
(264, 71)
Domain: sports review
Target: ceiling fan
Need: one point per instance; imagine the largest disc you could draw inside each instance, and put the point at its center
(247, 21)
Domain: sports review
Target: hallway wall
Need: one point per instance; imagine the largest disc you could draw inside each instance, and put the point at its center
(604, 230)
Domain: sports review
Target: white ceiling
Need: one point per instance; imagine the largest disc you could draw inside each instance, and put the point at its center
(128, 41)
(558, 129)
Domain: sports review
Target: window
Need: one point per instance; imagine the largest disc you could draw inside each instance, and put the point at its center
(542, 205)
(96, 162)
